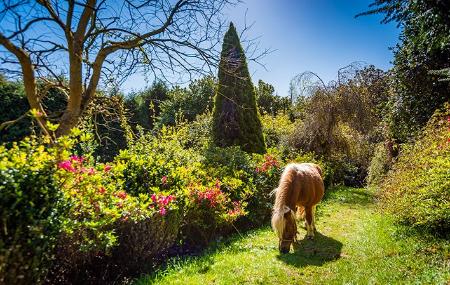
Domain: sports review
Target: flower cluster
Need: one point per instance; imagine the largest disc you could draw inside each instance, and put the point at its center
(212, 195)
(75, 165)
(269, 163)
(161, 202)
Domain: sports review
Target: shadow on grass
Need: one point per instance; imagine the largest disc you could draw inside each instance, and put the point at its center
(315, 252)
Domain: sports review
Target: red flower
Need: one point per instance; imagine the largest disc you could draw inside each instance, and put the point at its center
(153, 198)
(66, 165)
(107, 168)
(102, 190)
(121, 195)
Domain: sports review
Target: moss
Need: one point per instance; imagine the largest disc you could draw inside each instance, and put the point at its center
(235, 117)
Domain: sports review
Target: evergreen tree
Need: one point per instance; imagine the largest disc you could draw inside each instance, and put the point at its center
(235, 117)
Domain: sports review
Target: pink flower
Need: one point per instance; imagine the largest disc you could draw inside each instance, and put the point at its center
(164, 180)
(91, 171)
(121, 195)
(76, 158)
(107, 168)
(153, 198)
(162, 211)
(66, 165)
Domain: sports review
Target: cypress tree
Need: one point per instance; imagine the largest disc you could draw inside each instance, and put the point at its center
(235, 117)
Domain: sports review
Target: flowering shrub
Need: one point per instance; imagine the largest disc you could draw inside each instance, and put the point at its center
(270, 163)
(416, 191)
(208, 213)
(104, 220)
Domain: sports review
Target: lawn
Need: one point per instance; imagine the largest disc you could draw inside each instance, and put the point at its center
(355, 244)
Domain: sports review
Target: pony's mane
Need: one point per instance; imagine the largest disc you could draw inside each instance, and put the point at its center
(283, 193)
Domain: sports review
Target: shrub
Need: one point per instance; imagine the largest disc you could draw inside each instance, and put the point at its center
(277, 129)
(32, 209)
(416, 191)
(96, 245)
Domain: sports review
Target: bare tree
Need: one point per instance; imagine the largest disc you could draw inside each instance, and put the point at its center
(96, 42)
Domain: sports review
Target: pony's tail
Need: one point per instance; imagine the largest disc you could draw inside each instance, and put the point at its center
(283, 193)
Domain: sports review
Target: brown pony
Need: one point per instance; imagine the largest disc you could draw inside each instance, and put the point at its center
(300, 189)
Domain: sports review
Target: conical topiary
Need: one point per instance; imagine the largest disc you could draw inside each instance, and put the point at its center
(235, 116)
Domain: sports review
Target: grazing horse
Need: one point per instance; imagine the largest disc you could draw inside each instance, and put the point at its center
(300, 189)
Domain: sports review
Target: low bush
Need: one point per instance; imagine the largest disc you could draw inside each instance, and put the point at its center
(32, 209)
(417, 190)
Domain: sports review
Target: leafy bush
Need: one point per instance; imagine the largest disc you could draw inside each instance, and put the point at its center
(32, 209)
(416, 191)
(277, 129)
(379, 165)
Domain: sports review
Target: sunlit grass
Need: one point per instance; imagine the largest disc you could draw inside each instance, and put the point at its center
(355, 245)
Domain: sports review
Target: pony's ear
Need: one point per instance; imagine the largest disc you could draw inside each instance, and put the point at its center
(286, 209)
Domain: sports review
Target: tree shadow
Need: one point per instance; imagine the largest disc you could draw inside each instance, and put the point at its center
(315, 252)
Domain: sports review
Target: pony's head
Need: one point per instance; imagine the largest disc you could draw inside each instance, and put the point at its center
(283, 223)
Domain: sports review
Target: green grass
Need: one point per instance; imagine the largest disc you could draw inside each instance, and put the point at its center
(355, 244)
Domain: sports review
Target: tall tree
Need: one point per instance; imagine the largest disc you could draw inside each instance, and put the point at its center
(268, 102)
(422, 55)
(235, 117)
(93, 41)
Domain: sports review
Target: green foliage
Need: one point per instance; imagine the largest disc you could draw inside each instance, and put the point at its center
(32, 209)
(424, 48)
(13, 105)
(145, 106)
(268, 102)
(235, 116)
(416, 191)
(277, 129)
(379, 165)
(189, 102)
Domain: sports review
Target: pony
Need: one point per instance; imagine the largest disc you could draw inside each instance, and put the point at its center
(300, 189)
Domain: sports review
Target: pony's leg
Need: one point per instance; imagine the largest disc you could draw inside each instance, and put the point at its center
(309, 222)
(314, 217)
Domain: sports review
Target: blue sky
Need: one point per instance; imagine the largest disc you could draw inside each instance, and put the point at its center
(316, 35)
